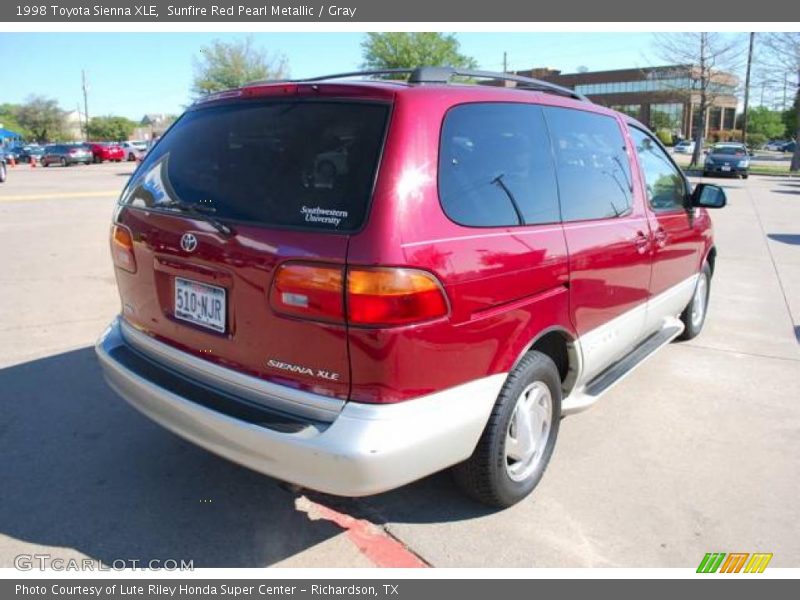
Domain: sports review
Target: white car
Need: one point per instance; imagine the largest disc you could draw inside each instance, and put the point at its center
(684, 147)
(134, 150)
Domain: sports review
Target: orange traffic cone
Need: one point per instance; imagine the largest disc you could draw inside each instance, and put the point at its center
(12, 162)
(33, 162)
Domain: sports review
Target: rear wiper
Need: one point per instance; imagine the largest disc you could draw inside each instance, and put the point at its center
(204, 213)
(499, 182)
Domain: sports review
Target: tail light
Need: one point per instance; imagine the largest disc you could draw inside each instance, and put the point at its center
(311, 291)
(122, 248)
(390, 296)
(368, 297)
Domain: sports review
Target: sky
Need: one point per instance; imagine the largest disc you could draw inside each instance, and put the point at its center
(131, 74)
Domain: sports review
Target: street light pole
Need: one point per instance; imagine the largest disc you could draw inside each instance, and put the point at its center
(85, 103)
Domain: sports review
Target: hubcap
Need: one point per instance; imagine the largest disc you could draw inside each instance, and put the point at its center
(699, 301)
(528, 431)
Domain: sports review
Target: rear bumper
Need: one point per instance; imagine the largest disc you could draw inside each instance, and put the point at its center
(365, 449)
(720, 170)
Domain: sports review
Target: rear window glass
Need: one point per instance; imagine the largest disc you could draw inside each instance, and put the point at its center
(496, 167)
(295, 164)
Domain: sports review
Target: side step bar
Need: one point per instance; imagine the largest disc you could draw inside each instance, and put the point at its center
(584, 397)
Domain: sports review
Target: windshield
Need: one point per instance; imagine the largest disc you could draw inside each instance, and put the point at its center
(728, 150)
(304, 164)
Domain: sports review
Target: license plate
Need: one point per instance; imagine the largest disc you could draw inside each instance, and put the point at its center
(726, 168)
(200, 304)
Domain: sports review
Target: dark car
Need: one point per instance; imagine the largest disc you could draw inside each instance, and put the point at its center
(789, 147)
(727, 159)
(363, 283)
(66, 155)
(28, 153)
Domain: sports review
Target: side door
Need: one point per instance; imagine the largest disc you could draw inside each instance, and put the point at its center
(607, 234)
(677, 236)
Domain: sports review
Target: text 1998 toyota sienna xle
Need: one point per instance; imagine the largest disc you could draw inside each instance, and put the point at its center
(351, 284)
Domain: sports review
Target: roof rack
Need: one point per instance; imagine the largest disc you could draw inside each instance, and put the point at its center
(423, 75)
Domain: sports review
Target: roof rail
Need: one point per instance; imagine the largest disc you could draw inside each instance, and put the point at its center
(423, 75)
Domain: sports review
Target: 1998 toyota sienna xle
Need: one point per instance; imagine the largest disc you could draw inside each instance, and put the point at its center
(351, 284)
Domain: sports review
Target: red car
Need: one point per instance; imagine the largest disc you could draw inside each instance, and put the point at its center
(103, 151)
(359, 283)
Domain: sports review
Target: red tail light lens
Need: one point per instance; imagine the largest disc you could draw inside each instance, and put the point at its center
(122, 248)
(393, 296)
(310, 291)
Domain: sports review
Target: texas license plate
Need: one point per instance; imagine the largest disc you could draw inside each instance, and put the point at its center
(200, 303)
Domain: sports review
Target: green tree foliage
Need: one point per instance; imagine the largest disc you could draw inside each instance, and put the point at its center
(42, 118)
(403, 50)
(767, 122)
(9, 119)
(110, 128)
(224, 65)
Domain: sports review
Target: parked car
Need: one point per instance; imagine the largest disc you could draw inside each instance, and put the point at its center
(775, 145)
(28, 153)
(789, 147)
(10, 154)
(134, 150)
(66, 155)
(490, 259)
(103, 151)
(684, 147)
(727, 159)
(3, 167)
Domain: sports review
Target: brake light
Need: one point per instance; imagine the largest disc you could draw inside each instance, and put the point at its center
(376, 296)
(393, 296)
(310, 291)
(122, 248)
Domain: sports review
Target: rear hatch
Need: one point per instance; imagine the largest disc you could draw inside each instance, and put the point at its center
(231, 192)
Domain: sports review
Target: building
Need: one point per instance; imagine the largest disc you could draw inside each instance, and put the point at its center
(661, 97)
(152, 126)
(74, 123)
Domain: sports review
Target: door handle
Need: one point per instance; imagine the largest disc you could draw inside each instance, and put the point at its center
(642, 242)
(661, 237)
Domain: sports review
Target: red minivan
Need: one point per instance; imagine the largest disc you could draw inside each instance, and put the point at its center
(360, 282)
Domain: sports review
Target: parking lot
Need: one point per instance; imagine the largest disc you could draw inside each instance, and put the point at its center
(697, 451)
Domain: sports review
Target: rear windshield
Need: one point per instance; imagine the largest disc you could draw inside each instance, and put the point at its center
(307, 164)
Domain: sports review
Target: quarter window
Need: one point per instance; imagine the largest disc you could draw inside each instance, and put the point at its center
(594, 174)
(495, 166)
(666, 187)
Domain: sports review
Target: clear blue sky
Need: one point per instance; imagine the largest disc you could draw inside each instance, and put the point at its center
(131, 74)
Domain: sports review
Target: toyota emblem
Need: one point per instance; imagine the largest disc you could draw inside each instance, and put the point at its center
(188, 242)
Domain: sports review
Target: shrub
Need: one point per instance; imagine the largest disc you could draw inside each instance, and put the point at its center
(756, 140)
(665, 136)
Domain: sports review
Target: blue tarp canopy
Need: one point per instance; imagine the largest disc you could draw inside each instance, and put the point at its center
(8, 134)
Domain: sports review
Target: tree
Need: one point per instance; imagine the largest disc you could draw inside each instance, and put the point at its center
(224, 65)
(763, 121)
(9, 119)
(404, 50)
(42, 118)
(783, 55)
(790, 116)
(703, 57)
(110, 128)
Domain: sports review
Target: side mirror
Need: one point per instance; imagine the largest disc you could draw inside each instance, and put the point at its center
(705, 151)
(707, 195)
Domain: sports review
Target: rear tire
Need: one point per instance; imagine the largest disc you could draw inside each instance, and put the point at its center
(3, 173)
(131, 157)
(519, 437)
(694, 315)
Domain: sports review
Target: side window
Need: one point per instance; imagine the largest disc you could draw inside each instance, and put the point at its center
(666, 188)
(594, 175)
(495, 166)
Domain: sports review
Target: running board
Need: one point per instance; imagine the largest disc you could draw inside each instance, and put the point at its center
(587, 395)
